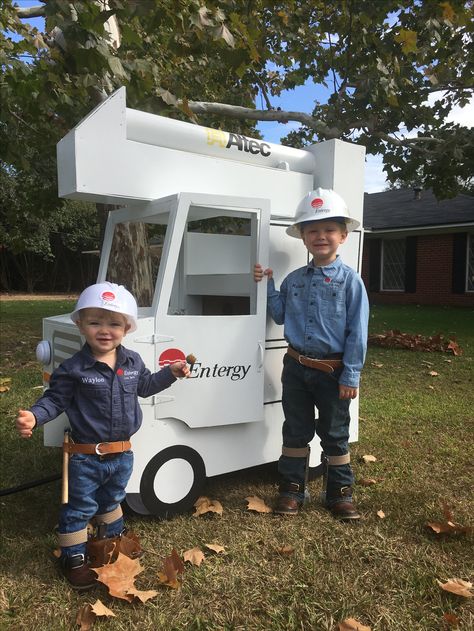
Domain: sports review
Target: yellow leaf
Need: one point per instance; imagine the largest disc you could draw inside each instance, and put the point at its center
(381, 514)
(448, 11)
(350, 624)
(195, 556)
(4, 388)
(369, 458)
(215, 547)
(258, 505)
(101, 610)
(457, 586)
(205, 505)
(408, 40)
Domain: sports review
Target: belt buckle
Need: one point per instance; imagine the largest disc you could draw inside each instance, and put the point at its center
(97, 450)
(299, 359)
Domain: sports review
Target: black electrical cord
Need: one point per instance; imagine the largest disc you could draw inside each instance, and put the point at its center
(30, 485)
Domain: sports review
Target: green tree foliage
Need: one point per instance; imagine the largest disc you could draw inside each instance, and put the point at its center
(206, 60)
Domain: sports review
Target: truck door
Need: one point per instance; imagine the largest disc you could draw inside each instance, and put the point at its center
(210, 306)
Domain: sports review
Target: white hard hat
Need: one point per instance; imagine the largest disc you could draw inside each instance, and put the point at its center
(322, 205)
(111, 297)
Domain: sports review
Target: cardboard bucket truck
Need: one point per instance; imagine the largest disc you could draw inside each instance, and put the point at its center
(212, 204)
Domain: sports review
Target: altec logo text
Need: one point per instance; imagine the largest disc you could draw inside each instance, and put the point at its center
(227, 141)
(199, 371)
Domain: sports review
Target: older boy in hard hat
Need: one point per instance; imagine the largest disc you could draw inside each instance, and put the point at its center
(324, 309)
(98, 388)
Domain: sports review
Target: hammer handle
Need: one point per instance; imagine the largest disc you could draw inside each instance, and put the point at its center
(65, 480)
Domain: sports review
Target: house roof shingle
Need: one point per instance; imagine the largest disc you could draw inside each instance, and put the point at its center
(399, 208)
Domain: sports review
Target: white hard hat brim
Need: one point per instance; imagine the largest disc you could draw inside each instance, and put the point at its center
(294, 230)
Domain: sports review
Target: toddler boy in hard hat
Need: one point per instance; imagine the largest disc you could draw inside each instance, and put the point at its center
(98, 388)
(324, 309)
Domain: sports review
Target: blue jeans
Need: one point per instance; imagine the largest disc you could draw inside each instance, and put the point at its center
(95, 487)
(303, 389)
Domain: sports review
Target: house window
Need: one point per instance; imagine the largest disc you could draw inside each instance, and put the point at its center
(470, 263)
(393, 264)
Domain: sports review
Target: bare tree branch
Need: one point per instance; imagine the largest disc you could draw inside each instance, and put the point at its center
(30, 12)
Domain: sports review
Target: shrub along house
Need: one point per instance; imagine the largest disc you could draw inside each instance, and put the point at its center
(418, 250)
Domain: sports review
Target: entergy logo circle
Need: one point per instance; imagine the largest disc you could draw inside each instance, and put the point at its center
(317, 202)
(108, 296)
(171, 355)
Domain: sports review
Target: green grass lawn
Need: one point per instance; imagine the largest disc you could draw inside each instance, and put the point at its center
(380, 571)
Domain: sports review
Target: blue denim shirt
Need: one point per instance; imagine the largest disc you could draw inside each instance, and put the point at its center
(324, 310)
(101, 403)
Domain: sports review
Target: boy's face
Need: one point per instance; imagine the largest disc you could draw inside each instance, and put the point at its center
(322, 239)
(103, 329)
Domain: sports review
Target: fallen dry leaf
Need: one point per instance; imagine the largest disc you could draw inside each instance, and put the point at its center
(4, 388)
(431, 387)
(414, 342)
(172, 566)
(258, 505)
(350, 624)
(433, 373)
(367, 481)
(215, 547)
(195, 556)
(449, 526)
(4, 603)
(381, 514)
(205, 505)
(101, 610)
(285, 550)
(376, 365)
(85, 617)
(119, 578)
(369, 458)
(457, 586)
(451, 620)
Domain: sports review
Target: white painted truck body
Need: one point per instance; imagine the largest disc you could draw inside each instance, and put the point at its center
(168, 175)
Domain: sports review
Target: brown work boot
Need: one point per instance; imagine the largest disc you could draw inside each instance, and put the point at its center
(344, 510)
(78, 573)
(103, 551)
(286, 505)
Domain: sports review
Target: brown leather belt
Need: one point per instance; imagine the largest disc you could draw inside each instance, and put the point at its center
(326, 365)
(99, 449)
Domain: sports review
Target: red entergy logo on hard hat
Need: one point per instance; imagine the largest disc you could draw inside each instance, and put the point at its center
(171, 355)
(108, 296)
(317, 202)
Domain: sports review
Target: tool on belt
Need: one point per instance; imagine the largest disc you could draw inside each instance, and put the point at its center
(65, 480)
(326, 365)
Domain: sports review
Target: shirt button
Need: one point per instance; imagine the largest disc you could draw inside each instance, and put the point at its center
(312, 302)
(308, 337)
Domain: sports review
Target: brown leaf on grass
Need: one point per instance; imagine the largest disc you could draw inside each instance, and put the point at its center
(454, 346)
(4, 603)
(215, 547)
(4, 389)
(205, 505)
(381, 514)
(85, 617)
(258, 505)
(172, 567)
(350, 624)
(119, 577)
(457, 586)
(433, 373)
(285, 550)
(195, 556)
(449, 526)
(451, 620)
(57, 553)
(101, 610)
(414, 342)
(368, 458)
(367, 481)
(376, 364)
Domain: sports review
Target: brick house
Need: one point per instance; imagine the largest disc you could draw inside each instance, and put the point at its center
(418, 250)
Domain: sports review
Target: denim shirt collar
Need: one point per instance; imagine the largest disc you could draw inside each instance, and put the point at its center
(327, 270)
(88, 359)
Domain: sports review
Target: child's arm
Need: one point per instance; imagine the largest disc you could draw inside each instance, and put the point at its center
(25, 422)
